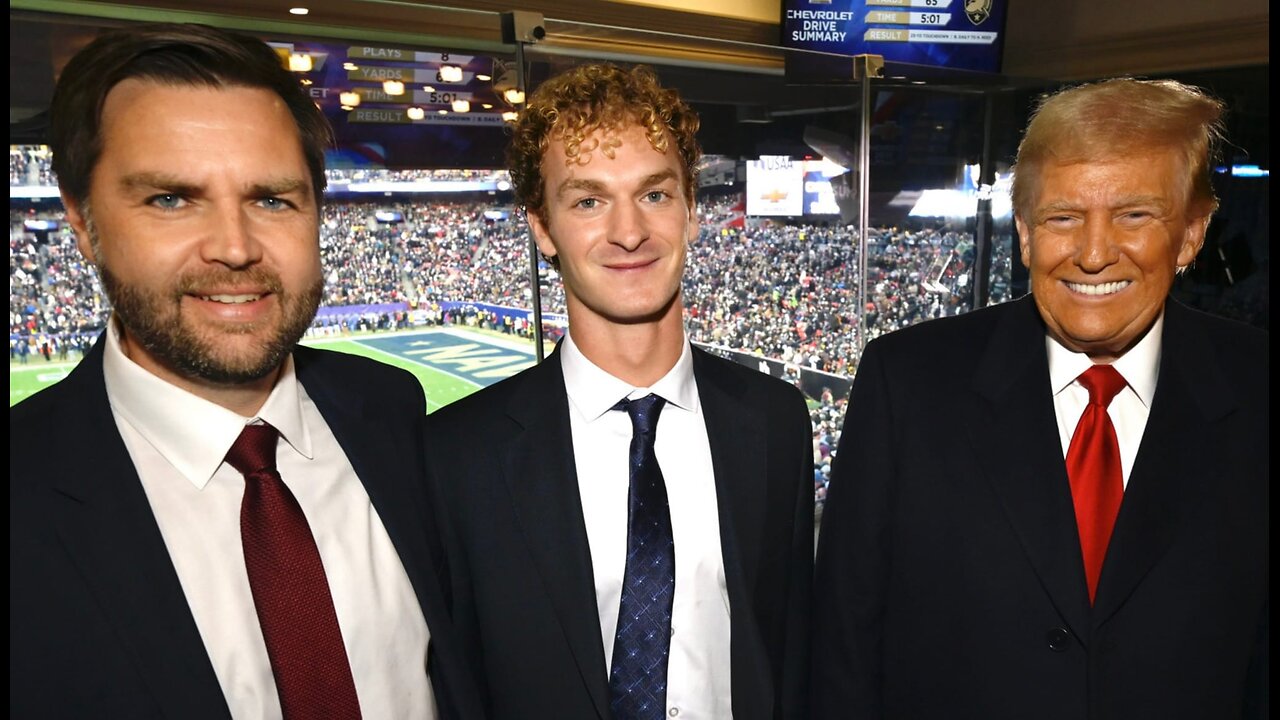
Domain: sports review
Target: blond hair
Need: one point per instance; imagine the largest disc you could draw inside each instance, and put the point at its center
(598, 96)
(1116, 118)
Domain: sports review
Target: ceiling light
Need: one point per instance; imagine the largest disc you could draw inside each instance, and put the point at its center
(450, 73)
(442, 112)
(461, 106)
(510, 115)
(515, 96)
(416, 113)
(300, 62)
(350, 66)
(349, 98)
(393, 87)
(298, 11)
(428, 88)
(483, 78)
(487, 106)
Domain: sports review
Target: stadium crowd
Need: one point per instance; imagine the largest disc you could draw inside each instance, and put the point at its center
(775, 290)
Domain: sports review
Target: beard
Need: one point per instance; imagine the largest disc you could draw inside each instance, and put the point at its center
(153, 318)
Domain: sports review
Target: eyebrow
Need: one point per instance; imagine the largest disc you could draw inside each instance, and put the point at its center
(1124, 202)
(595, 186)
(172, 183)
(578, 184)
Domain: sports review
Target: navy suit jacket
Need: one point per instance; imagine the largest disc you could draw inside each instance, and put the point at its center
(949, 572)
(98, 623)
(524, 591)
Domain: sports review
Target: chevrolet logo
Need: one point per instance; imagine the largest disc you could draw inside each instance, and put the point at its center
(774, 196)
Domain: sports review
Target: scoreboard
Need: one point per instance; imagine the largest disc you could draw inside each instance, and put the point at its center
(957, 34)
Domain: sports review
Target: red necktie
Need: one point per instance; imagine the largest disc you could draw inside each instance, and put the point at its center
(1093, 466)
(289, 587)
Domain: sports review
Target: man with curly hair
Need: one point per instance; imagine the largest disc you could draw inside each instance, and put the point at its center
(631, 519)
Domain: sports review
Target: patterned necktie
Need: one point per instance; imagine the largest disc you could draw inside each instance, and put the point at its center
(638, 680)
(290, 590)
(1093, 466)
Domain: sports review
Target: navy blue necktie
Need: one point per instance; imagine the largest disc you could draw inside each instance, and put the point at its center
(638, 680)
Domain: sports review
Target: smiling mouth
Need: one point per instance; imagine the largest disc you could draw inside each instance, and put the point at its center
(231, 299)
(631, 265)
(1109, 288)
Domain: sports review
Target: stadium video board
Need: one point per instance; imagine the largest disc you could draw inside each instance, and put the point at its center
(780, 186)
(955, 34)
(392, 107)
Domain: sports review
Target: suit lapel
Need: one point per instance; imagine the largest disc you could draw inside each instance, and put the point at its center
(1015, 437)
(386, 454)
(736, 432)
(381, 455)
(539, 471)
(1190, 393)
(110, 533)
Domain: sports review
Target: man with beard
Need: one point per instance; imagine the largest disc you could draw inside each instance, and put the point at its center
(206, 520)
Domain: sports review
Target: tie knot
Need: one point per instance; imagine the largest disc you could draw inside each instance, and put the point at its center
(254, 450)
(1103, 383)
(644, 412)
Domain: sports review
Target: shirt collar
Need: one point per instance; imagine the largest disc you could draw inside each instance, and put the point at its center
(1140, 367)
(191, 433)
(594, 391)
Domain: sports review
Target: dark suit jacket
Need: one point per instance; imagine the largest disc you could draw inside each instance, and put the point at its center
(98, 623)
(949, 577)
(521, 566)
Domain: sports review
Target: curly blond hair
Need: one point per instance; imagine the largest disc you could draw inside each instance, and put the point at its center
(576, 103)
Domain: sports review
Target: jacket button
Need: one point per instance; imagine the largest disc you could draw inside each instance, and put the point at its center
(1058, 639)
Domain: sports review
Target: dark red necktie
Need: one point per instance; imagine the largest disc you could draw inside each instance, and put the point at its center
(1093, 466)
(290, 590)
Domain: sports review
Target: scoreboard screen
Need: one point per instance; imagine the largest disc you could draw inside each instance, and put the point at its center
(955, 34)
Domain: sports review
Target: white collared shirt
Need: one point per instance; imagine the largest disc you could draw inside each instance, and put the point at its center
(698, 678)
(1129, 410)
(177, 442)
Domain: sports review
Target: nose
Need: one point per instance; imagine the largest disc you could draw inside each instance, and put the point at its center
(628, 227)
(230, 239)
(1097, 248)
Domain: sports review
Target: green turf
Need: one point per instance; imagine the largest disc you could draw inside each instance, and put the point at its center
(26, 380)
(440, 387)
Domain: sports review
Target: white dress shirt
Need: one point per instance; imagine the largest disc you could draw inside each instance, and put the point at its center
(698, 677)
(177, 442)
(1129, 409)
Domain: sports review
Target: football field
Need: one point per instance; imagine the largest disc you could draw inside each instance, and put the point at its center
(449, 362)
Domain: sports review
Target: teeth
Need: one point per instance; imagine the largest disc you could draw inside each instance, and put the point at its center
(230, 299)
(1100, 289)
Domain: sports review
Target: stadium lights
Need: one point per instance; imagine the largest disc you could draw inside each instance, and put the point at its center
(393, 87)
(510, 116)
(483, 78)
(350, 66)
(515, 96)
(299, 62)
(298, 11)
(461, 106)
(416, 113)
(451, 73)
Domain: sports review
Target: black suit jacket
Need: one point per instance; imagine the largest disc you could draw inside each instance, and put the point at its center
(98, 623)
(521, 566)
(949, 576)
